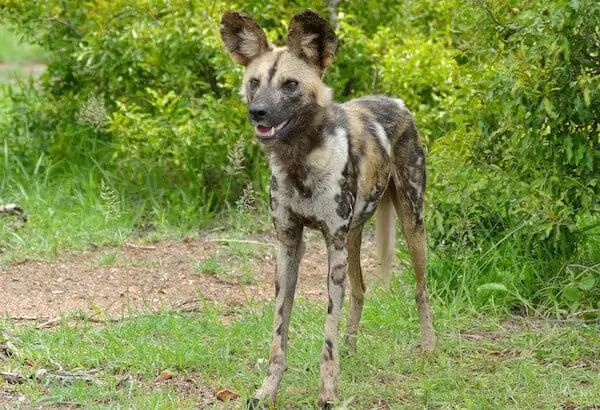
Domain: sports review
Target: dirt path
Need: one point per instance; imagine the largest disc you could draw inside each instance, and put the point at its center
(166, 275)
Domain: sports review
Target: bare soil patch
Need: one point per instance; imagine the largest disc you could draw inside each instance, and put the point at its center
(168, 275)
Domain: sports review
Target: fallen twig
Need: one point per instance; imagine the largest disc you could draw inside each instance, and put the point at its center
(142, 247)
(12, 378)
(49, 323)
(250, 242)
(11, 209)
(191, 309)
(26, 318)
(64, 377)
(189, 306)
(55, 321)
(584, 267)
(105, 320)
(586, 312)
(124, 380)
(8, 349)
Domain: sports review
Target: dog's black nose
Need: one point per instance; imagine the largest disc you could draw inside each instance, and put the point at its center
(257, 112)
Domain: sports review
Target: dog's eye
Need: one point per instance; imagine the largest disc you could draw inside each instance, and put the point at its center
(254, 83)
(291, 84)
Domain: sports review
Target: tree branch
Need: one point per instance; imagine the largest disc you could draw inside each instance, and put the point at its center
(66, 24)
(510, 29)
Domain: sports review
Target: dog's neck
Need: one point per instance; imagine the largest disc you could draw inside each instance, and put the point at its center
(309, 135)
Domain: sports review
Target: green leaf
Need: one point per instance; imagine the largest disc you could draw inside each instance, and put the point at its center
(575, 4)
(569, 148)
(549, 108)
(587, 96)
(571, 294)
(587, 283)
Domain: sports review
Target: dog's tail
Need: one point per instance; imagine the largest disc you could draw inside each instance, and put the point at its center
(386, 233)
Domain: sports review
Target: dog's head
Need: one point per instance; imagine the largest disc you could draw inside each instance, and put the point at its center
(282, 85)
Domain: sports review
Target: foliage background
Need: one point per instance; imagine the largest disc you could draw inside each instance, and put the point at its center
(139, 104)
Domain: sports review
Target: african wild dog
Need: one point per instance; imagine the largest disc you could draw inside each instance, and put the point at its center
(10, 209)
(331, 165)
(13, 210)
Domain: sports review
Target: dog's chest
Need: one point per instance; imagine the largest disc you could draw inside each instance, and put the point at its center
(316, 189)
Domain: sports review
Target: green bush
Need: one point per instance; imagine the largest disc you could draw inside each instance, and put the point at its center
(534, 130)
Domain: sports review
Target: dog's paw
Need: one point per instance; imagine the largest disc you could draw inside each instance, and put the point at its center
(428, 343)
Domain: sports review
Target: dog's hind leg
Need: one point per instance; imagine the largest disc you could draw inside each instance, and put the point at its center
(407, 196)
(357, 285)
(291, 249)
(416, 240)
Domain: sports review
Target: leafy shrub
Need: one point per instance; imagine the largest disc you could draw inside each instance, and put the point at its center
(534, 73)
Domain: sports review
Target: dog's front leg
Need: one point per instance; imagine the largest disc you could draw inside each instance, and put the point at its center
(291, 249)
(336, 284)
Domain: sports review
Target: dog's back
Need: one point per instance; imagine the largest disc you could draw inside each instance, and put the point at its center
(383, 140)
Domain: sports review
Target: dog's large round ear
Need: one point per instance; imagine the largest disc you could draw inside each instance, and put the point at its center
(243, 37)
(311, 38)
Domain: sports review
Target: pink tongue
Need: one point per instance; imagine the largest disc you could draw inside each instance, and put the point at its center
(265, 131)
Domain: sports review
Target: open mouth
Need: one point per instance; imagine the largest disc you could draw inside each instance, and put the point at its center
(264, 132)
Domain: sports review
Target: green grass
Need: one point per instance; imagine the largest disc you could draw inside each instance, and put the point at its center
(64, 213)
(80, 207)
(482, 361)
(234, 261)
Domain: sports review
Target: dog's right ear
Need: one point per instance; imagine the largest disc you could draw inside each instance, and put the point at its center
(243, 37)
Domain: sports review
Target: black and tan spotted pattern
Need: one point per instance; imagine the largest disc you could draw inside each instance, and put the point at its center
(11, 209)
(332, 166)
(18, 217)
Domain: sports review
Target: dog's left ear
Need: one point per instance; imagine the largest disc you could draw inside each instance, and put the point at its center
(311, 38)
